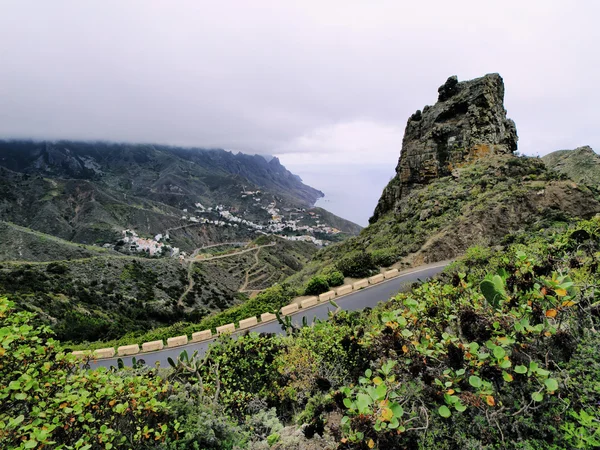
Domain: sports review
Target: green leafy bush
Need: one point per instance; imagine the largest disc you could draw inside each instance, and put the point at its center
(335, 278)
(204, 424)
(316, 285)
(46, 399)
(356, 264)
(242, 370)
(385, 257)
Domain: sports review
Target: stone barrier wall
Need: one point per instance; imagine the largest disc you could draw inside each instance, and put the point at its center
(250, 322)
(177, 341)
(289, 309)
(346, 289)
(376, 279)
(201, 335)
(267, 317)
(104, 353)
(247, 323)
(226, 329)
(325, 297)
(391, 273)
(360, 284)
(312, 301)
(128, 350)
(152, 346)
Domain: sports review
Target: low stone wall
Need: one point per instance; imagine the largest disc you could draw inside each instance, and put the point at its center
(391, 273)
(286, 310)
(201, 335)
(376, 279)
(247, 323)
(226, 329)
(127, 350)
(312, 301)
(346, 289)
(104, 353)
(177, 341)
(360, 284)
(267, 317)
(329, 295)
(152, 346)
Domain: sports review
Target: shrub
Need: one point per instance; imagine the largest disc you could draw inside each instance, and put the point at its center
(356, 264)
(316, 285)
(335, 278)
(204, 425)
(243, 370)
(47, 400)
(385, 257)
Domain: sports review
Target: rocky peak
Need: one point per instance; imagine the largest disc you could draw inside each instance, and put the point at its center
(468, 122)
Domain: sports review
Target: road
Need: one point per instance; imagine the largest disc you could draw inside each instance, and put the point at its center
(368, 297)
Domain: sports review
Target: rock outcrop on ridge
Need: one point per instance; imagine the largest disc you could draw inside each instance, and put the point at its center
(467, 122)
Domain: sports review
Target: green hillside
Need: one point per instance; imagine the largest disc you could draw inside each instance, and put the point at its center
(480, 204)
(581, 165)
(19, 243)
(501, 352)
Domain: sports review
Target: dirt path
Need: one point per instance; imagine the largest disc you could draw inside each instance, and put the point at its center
(193, 261)
(190, 284)
(204, 247)
(232, 254)
(256, 263)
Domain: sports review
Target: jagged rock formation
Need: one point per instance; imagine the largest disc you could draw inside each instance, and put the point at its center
(468, 122)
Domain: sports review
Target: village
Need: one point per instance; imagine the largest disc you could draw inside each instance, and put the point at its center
(286, 227)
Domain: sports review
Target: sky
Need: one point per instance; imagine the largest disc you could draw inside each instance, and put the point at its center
(327, 86)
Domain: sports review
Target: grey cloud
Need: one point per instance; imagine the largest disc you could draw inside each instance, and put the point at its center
(259, 76)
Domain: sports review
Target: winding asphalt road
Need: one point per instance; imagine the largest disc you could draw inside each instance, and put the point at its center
(358, 300)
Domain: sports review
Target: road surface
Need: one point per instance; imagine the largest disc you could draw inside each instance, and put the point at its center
(368, 297)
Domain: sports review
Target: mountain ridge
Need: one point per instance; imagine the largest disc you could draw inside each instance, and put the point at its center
(90, 191)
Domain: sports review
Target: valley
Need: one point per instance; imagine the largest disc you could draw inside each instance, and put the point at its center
(103, 240)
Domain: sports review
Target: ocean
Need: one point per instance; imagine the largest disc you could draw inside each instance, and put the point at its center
(351, 190)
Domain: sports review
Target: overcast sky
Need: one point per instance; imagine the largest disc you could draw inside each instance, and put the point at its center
(314, 82)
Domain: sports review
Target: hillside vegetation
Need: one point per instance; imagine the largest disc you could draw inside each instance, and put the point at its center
(109, 297)
(499, 353)
(581, 165)
(479, 204)
(19, 243)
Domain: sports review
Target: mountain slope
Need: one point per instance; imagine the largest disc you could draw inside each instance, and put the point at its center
(105, 295)
(90, 192)
(150, 167)
(581, 165)
(458, 184)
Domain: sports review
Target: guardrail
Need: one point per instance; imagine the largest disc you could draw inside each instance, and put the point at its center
(199, 336)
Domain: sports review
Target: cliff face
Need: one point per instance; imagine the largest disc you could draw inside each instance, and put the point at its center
(467, 122)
